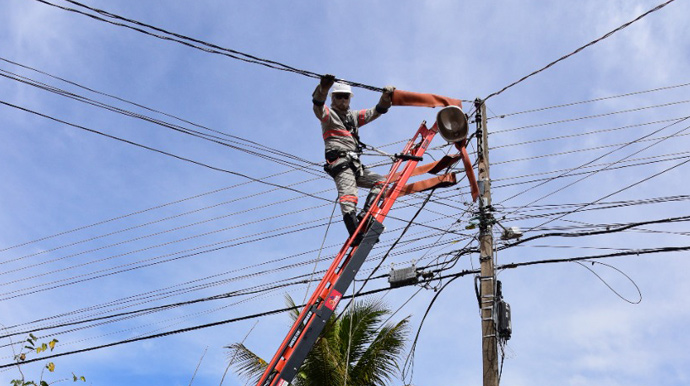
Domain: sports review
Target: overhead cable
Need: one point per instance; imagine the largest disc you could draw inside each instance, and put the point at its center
(635, 252)
(194, 133)
(168, 333)
(658, 7)
(566, 136)
(592, 116)
(245, 140)
(591, 100)
(194, 43)
(607, 167)
(160, 151)
(609, 230)
(617, 191)
(638, 140)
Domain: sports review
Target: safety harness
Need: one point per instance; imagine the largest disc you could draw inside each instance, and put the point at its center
(349, 159)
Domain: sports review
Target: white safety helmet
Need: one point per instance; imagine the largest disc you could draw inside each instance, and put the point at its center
(340, 88)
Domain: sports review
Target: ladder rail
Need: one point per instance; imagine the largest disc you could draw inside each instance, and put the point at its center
(305, 331)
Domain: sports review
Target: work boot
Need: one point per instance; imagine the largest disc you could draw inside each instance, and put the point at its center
(369, 202)
(351, 222)
(360, 217)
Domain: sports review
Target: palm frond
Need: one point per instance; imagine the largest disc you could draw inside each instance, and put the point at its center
(247, 364)
(379, 362)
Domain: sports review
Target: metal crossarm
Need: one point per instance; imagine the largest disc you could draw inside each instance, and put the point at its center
(307, 328)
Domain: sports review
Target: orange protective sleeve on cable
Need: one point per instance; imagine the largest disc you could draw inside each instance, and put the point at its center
(409, 98)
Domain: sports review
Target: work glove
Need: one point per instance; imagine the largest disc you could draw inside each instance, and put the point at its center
(386, 100)
(321, 93)
(327, 81)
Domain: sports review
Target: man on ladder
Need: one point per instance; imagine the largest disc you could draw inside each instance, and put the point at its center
(340, 129)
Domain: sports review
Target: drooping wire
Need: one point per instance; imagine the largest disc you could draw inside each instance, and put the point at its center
(639, 292)
(409, 360)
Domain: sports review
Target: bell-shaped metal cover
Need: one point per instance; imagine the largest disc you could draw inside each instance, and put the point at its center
(452, 124)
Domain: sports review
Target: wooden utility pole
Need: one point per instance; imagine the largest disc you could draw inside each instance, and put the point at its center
(487, 276)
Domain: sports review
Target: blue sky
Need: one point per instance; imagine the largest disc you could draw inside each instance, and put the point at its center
(83, 217)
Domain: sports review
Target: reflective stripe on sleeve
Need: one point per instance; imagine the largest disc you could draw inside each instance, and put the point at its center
(362, 117)
(336, 133)
(327, 114)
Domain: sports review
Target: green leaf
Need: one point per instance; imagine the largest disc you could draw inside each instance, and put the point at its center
(81, 378)
(44, 383)
(32, 336)
(50, 366)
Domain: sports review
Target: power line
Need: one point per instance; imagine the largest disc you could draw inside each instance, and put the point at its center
(617, 229)
(62, 269)
(591, 100)
(268, 287)
(188, 329)
(632, 162)
(585, 133)
(143, 249)
(195, 43)
(151, 262)
(170, 154)
(194, 133)
(658, 7)
(618, 191)
(144, 211)
(198, 163)
(638, 140)
(592, 116)
(635, 252)
(252, 143)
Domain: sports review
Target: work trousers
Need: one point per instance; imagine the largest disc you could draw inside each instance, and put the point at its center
(347, 183)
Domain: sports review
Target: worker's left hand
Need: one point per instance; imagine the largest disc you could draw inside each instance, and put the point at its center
(387, 97)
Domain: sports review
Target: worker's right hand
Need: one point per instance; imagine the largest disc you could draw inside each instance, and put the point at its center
(327, 81)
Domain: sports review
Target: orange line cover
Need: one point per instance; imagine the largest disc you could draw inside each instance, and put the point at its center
(409, 98)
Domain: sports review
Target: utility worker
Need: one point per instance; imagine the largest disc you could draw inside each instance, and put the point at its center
(340, 129)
